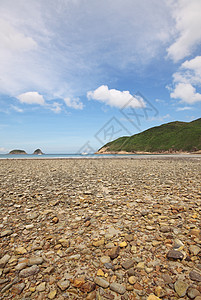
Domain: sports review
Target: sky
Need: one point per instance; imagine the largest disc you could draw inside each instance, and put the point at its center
(76, 74)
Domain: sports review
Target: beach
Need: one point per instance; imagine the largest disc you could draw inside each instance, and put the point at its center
(100, 228)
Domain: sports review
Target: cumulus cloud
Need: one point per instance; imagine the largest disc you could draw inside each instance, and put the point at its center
(74, 103)
(56, 107)
(115, 98)
(31, 98)
(186, 92)
(188, 23)
(186, 80)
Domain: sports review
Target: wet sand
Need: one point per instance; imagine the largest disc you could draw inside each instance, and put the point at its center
(100, 228)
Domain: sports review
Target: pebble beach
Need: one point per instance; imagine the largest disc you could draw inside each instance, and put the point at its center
(100, 229)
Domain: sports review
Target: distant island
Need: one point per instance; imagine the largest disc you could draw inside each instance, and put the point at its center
(17, 151)
(172, 137)
(38, 152)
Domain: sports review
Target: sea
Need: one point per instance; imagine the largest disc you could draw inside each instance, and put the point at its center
(95, 156)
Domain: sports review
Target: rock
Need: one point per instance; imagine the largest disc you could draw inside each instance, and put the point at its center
(52, 294)
(4, 260)
(78, 282)
(100, 273)
(32, 216)
(17, 289)
(194, 249)
(165, 229)
(118, 288)
(37, 260)
(128, 264)
(20, 250)
(98, 243)
(114, 252)
(181, 288)
(91, 296)
(88, 287)
(132, 279)
(64, 242)
(63, 284)
(192, 293)
(123, 244)
(6, 233)
(101, 282)
(195, 276)
(29, 271)
(105, 259)
(196, 232)
(74, 257)
(55, 220)
(140, 265)
(153, 297)
(174, 255)
(41, 287)
(198, 298)
(30, 226)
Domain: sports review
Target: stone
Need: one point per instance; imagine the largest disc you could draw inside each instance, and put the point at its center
(198, 298)
(165, 229)
(64, 242)
(78, 282)
(100, 273)
(52, 294)
(192, 293)
(18, 288)
(180, 288)
(105, 259)
(32, 216)
(20, 250)
(41, 287)
(98, 243)
(175, 255)
(37, 260)
(101, 282)
(118, 288)
(63, 284)
(29, 271)
(30, 226)
(196, 232)
(123, 244)
(153, 297)
(195, 276)
(194, 249)
(132, 279)
(88, 287)
(4, 260)
(91, 296)
(128, 264)
(114, 252)
(55, 220)
(6, 232)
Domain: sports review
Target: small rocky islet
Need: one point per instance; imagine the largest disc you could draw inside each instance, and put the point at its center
(100, 229)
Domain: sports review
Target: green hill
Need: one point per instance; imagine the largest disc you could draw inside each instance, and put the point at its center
(170, 137)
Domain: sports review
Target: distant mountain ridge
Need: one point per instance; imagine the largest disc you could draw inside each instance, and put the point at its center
(166, 138)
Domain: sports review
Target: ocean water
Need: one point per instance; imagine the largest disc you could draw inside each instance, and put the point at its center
(73, 156)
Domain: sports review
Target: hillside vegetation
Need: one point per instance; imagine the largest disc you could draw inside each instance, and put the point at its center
(170, 137)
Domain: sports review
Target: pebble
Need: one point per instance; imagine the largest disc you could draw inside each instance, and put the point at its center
(18, 288)
(63, 284)
(181, 288)
(52, 294)
(194, 249)
(128, 264)
(175, 255)
(105, 259)
(195, 276)
(192, 293)
(6, 232)
(101, 282)
(132, 279)
(118, 288)
(35, 261)
(114, 252)
(4, 260)
(41, 287)
(29, 271)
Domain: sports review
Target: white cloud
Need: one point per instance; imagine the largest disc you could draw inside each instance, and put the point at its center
(115, 98)
(188, 23)
(56, 107)
(160, 118)
(17, 109)
(74, 103)
(186, 92)
(184, 108)
(186, 80)
(31, 98)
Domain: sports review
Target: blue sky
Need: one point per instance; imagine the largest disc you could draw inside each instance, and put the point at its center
(76, 74)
